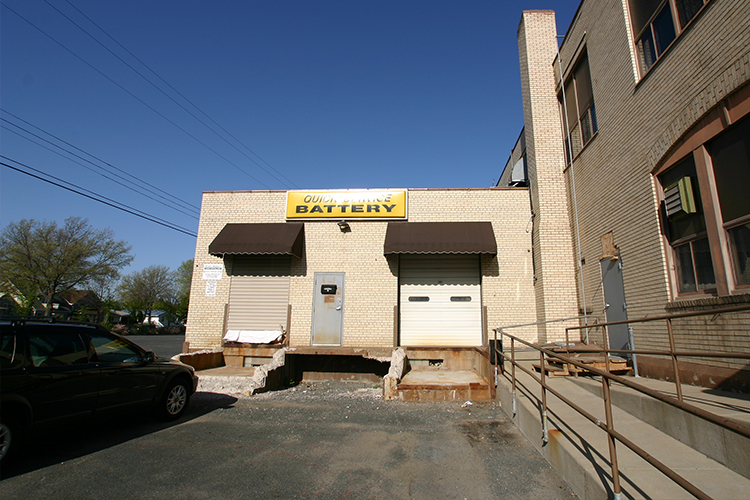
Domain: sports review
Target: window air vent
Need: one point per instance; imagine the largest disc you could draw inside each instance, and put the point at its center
(679, 199)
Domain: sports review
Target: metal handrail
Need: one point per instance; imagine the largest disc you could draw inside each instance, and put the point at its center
(607, 378)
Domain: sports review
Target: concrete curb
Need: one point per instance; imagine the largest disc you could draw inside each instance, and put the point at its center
(581, 476)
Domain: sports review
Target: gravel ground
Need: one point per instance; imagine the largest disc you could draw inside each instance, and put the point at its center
(395, 449)
(327, 440)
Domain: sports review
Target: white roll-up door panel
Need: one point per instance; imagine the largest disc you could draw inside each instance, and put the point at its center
(259, 293)
(440, 302)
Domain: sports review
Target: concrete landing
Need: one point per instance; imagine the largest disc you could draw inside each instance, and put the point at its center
(578, 449)
(443, 385)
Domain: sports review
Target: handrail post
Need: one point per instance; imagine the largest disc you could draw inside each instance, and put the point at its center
(634, 357)
(545, 433)
(610, 438)
(606, 395)
(567, 349)
(496, 354)
(605, 341)
(513, 370)
(675, 366)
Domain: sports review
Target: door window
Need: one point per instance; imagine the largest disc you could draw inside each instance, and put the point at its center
(110, 349)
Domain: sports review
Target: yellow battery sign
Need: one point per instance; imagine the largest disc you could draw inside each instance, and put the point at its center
(360, 204)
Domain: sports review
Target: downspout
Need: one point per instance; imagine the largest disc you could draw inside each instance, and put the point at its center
(573, 185)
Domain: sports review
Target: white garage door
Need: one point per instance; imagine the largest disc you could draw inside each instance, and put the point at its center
(440, 302)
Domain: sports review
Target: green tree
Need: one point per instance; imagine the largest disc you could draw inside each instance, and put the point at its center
(50, 259)
(146, 288)
(107, 291)
(183, 277)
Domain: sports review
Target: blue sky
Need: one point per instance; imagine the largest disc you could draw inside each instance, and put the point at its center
(320, 94)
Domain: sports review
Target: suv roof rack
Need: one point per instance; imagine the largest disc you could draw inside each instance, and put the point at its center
(22, 320)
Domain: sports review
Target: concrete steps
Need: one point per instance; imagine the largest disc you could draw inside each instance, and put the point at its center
(227, 380)
(443, 385)
(244, 380)
(579, 450)
(723, 445)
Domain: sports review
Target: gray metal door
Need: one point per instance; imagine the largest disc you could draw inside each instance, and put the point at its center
(615, 307)
(328, 309)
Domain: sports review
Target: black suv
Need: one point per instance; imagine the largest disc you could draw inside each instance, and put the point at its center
(52, 373)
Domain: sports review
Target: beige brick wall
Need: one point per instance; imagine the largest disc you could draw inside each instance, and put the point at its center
(639, 120)
(554, 260)
(371, 281)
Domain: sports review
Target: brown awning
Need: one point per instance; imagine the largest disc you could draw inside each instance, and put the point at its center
(440, 238)
(284, 238)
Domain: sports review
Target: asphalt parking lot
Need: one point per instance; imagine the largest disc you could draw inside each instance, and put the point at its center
(322, 440)
(164, 346)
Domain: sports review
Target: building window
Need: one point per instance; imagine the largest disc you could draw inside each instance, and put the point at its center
(578, 108)
(693, 241)
(656, 26)
(730, 158)
(686, 228)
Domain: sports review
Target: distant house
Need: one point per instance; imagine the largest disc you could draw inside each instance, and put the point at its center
(10, 298)
(119, 317)
(160, 319)
(84, 305)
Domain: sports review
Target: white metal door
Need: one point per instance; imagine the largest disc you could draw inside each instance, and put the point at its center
(440, 302)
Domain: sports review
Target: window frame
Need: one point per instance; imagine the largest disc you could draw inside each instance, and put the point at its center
(648, 28)
(686, 237)
(728, 227)
(587, 115)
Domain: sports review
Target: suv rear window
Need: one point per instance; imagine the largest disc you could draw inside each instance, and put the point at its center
(56, 348)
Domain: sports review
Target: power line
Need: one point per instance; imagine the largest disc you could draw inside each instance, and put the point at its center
(171, 224)
(96, 197)
(126, 186)
(137, 98)
(173, 89)
(134, 177)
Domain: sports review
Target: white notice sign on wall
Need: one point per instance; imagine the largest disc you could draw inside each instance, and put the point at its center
(213, 271)
(211, 288)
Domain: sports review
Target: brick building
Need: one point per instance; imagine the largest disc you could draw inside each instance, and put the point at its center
(642, 115)
(439, 275)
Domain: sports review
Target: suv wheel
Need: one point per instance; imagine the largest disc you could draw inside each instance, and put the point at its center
(175, 400)
(10, 438)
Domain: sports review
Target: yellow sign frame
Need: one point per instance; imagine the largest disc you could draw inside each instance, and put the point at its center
(349, 204)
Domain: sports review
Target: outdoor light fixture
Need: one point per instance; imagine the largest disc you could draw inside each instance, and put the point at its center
(344, 226)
